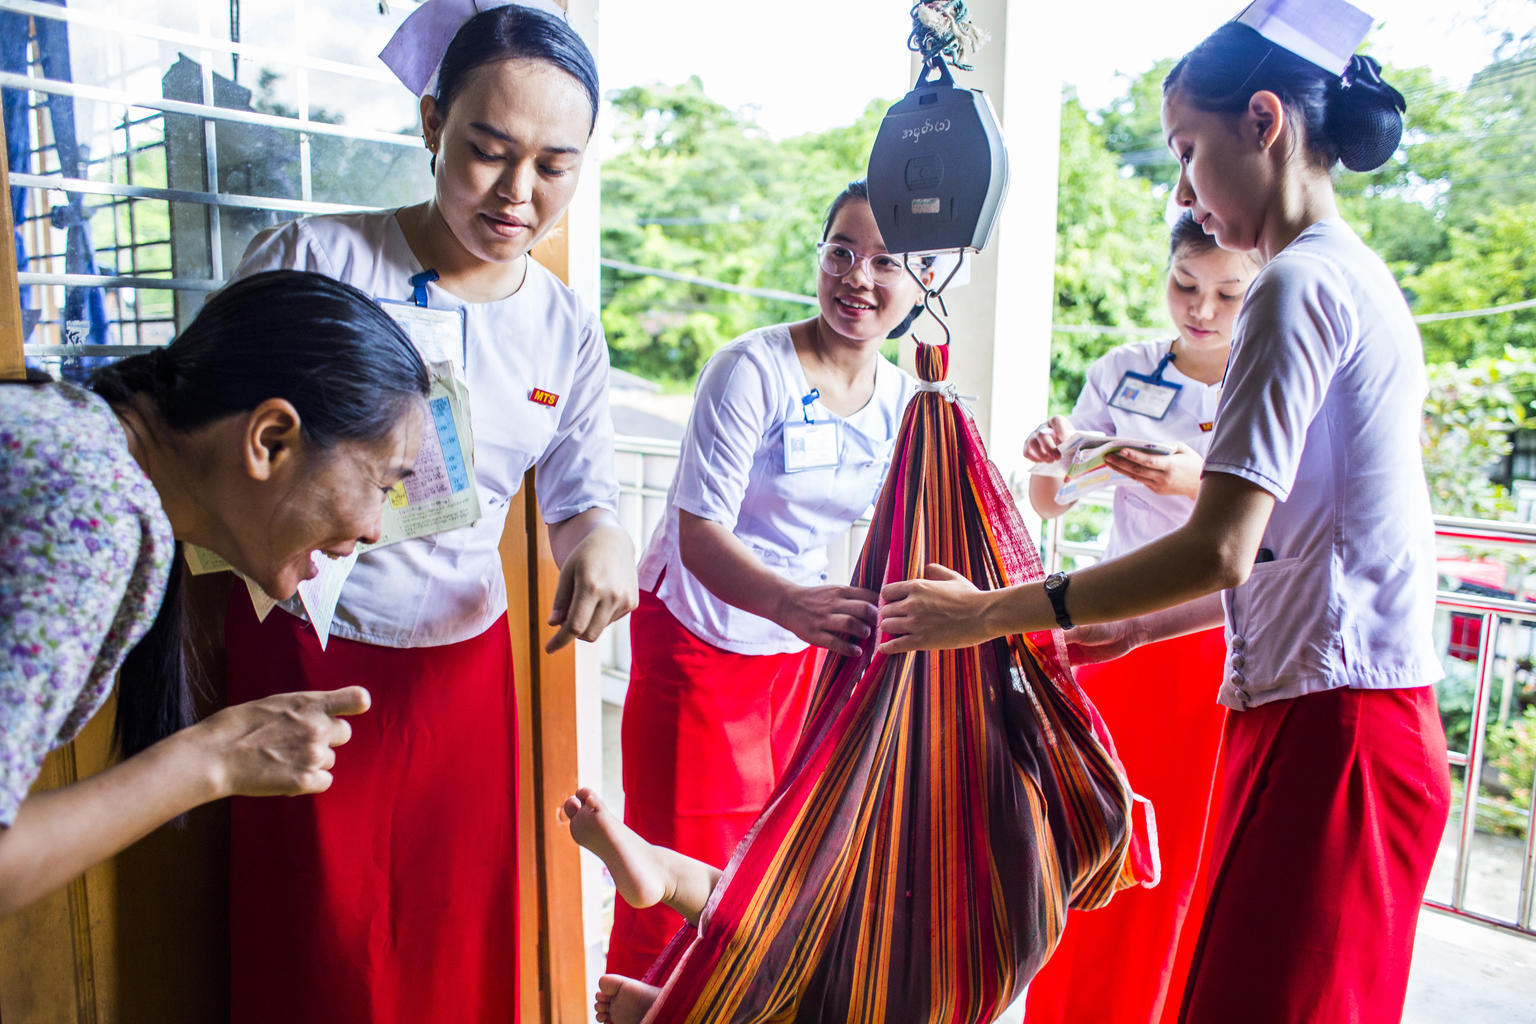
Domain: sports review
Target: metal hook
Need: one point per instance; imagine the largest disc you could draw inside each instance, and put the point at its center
(929, 294)
(928, 298)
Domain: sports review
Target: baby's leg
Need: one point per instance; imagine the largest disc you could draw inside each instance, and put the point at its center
(621, 1000)
(644, 874)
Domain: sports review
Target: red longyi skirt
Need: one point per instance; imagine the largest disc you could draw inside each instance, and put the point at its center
(1331, 814)
(706, 735)
(1122, 963)
(392, 897)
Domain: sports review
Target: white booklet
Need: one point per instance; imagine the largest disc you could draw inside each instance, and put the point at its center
(1082, 469)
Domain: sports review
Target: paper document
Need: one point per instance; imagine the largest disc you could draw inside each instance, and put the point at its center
(440, 493)
(1082, 468)
(319, 595)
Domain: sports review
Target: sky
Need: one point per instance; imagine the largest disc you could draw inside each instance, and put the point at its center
(807, 65)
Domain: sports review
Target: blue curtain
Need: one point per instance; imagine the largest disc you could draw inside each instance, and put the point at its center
(81, 305)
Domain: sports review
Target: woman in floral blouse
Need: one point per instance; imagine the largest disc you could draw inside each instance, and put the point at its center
(268, 433)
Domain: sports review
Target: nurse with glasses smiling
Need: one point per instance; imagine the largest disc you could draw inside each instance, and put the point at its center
(791, 433)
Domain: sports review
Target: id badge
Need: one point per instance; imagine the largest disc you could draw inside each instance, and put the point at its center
(809, 446)
(438, 334)
(1145, 395)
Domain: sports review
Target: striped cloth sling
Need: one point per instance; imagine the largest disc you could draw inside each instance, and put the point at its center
(943, 808)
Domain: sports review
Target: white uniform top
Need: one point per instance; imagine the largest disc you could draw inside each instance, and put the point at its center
(731, 471)
(1322, 408)
(1141, 516)
(448, 587)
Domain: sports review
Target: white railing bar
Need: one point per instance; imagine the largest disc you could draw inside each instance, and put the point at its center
(89, 350)
(11, 80)
(179, 195)
(178, 284)
(1477, 603)
(1528, 868)
(645, 446)
(127, 26)
(642, 491)
(1486, 649)
(210, 158)
(1484, 531)
(1473, 917)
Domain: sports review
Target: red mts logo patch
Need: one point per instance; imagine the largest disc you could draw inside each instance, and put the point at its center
(543, 397)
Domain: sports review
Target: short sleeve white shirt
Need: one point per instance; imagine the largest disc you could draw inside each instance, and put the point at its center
(731, 471)
(449, 587)
(1140, 516)
(1322, 408)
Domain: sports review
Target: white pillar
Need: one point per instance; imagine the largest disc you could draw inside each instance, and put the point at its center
(1001, 321)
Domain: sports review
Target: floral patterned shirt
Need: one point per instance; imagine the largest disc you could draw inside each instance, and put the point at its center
(85, 552)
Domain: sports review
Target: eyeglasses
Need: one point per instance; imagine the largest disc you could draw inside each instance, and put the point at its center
(883, 268)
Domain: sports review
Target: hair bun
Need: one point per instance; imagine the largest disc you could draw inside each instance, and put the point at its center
(1365, 116)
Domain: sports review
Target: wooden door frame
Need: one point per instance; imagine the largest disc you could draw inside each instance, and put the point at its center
(552, 948)
(12, 362)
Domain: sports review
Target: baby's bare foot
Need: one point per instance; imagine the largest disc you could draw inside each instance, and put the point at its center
(637, 874)
(621, 1000)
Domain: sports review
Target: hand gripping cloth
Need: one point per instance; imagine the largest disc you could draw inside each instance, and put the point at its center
(943, 808)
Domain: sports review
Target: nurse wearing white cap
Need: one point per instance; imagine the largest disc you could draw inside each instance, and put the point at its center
(1311, 537)
(394, 898)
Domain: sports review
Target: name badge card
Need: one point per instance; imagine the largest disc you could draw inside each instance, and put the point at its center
(438, 334)
(1147, 396)
(1141, 394)
(809, 446)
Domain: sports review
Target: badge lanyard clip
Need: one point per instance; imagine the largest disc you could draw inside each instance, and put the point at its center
(419, 284)
(807, 401)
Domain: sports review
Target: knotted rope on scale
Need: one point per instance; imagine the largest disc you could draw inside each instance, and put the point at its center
(943, 28)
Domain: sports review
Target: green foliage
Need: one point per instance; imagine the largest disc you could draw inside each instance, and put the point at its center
(695, 188)
(1133, 127)
(1468, 417)
(1455, 695)
(140, 231)
(1111, 246)
(1512, 756)
(1491, 263)
(1497, 164)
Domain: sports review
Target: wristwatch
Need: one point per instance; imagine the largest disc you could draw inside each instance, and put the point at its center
(1056, 590)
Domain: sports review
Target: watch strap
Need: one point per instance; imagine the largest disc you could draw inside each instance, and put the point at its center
(1056, 590)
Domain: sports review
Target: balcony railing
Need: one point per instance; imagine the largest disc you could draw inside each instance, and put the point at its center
(1486, 871)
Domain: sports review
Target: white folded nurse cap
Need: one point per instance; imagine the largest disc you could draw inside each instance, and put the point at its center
(1324, 32)
(417, 47)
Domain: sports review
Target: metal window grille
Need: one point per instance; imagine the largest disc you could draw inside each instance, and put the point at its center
(150, 141)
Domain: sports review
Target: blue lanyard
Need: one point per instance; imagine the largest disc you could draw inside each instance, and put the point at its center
(1157, 374)
(419, 284)
(805, 404)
